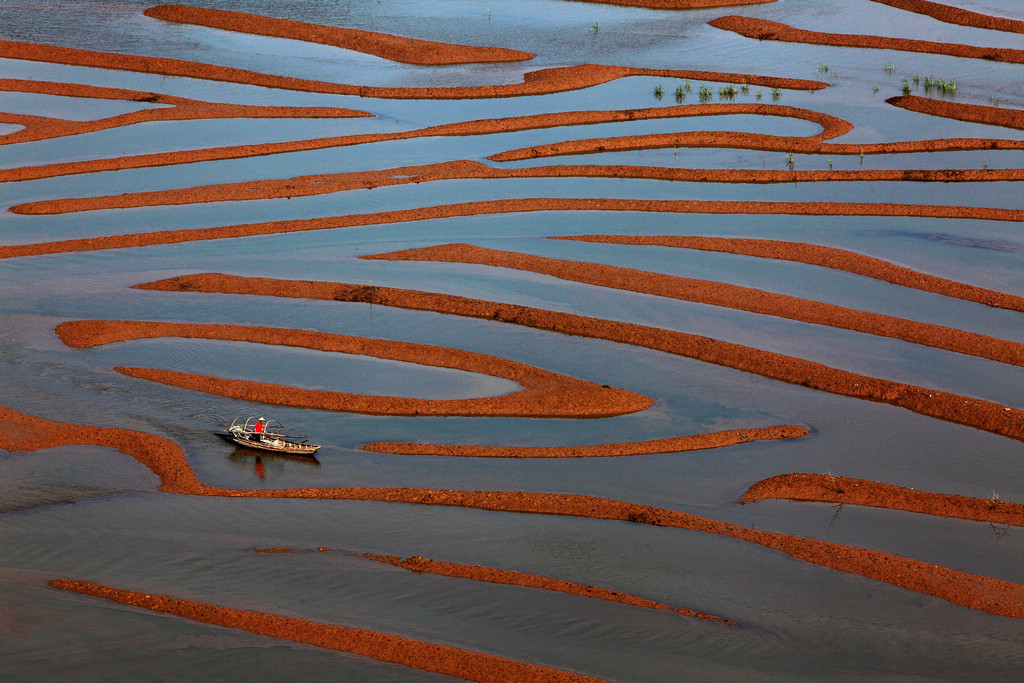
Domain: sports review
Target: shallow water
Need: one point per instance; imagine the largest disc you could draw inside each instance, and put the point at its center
(94, 514)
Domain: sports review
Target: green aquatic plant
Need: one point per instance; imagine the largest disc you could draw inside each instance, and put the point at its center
(706, 93)
(889, 68)
(680, 93)
(727, 92)
(906, 87)
(776, 94)
(744, 88)
(790, 161)
(658, 92)
(596, 27)
(874, 88)
(757, 95)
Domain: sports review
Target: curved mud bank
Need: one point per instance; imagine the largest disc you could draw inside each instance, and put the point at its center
(762, 29)
(174, 109)
(831, 127)
(965, 410)
(827, 488)
(544, 394)
(726, 296)
(387, 46)
(822, 256)
(384, 647)
(522, 205)
(679, 444)
(540, 82)
(314, 185)
(973, 113)
(166, 460)
(514, 578)
(956, 15)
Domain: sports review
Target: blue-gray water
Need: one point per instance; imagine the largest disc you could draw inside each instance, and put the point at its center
(95, 514)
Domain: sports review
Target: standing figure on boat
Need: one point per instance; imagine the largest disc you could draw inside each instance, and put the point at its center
(257, 431)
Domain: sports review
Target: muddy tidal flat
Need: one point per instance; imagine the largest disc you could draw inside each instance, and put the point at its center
(644, 340)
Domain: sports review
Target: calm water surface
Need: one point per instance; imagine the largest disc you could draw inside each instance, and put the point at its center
(95, 514)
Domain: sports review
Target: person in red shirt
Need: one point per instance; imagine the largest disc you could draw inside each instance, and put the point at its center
(257, 431)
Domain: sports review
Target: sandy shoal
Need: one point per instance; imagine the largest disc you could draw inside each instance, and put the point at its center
(387, 46)
(166, 460)
(725, 295)
(827, 488)
(384, 647)
(824, 257)
(543, 394)
(956, 15)
(511, 206)
(678, 444)
(763, 29)
(315, 185)
(973, 412)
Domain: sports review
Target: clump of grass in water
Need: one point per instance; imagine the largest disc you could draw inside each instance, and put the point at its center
(790, 161)
(939, 84)
(776, 94)
(658, 92)
(889, 68)
(757, 95)
(822, 69)
(596, 27)
(744, 88)
(906, 87)
(727, 92)
(706, 93)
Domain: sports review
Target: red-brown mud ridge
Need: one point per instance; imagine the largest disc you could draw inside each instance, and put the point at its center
(511, 206)
(315, 185)
(974, 113)
(827, 488)
(965, 410)
(174, 109)
(956, 15)
(395, 48)
(726, 296)
(166, 460)
(824, 257)
(677, 444)
(541, 82)
(762, 29)
(383, 647)
(544, 393)
(418, 563)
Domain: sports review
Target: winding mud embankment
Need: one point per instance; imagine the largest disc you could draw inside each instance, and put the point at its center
(540, 82)
(827, 488)
(831, 127)
(173, 109)
(544, 393)
(384, 647)
(763, 29)
(679, 444)
(514, 578)
(972, 412)
(521, 205)
(315, 185)
(395, 48)
(725, 295)
(973, 113)
(956, 15)
(822, 256)
(166, 460)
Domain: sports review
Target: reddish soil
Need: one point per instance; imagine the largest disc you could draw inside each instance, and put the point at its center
(166, 460)
(528, 204)
(544, 393)
(514, 578)
(395, 48)
(956, 15)
(825, 257)
(677, 444)
(831, 126)
(383, 647)
(727, 296)
(306, 186)
(174, 109)
(762, 29)
(827, 488)
(975, 113)
(973, 412)
(541, 82)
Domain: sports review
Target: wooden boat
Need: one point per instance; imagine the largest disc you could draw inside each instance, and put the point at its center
(267, 435)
